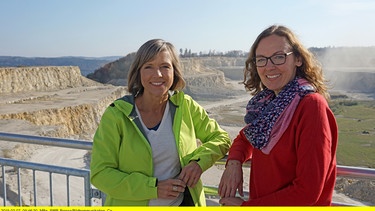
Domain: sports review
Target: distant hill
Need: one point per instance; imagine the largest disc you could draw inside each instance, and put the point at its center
(113, 71)
(86, 64)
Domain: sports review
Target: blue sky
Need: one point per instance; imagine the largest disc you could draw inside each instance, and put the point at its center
(52, 28)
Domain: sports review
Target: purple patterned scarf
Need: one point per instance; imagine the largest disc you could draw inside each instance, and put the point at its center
(268, 116)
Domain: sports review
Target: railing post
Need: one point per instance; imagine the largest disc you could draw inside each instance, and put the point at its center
(87, 190)
(4, 186)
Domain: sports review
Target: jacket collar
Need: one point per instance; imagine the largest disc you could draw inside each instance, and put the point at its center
(127, 102)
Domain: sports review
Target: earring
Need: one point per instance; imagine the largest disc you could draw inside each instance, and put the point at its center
(136, 94)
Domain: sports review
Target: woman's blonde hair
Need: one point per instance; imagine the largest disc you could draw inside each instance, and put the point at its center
(146, 53)
(311, 69)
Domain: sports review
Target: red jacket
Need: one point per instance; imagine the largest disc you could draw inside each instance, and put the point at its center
(301, 168)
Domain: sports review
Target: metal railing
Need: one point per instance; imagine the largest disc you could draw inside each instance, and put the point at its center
(16, 165)
(90, 192)
(51, 169)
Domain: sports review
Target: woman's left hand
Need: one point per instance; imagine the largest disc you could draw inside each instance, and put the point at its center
(191, 173)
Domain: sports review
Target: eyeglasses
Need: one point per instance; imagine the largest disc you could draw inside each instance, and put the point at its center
(277, 59)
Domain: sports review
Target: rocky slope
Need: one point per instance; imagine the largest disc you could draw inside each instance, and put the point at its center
(51, 78)
(58, 99)
(203, 79)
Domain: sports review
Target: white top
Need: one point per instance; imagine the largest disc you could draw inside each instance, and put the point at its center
(164, 154)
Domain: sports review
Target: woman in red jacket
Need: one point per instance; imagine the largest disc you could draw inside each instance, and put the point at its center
(291, 133)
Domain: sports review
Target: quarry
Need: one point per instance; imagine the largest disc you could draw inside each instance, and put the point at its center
(57, 101)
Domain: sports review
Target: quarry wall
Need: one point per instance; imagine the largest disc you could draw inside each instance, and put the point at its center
(48, 78)
(59, 101)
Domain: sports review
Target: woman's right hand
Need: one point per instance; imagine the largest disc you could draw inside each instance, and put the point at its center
(231, 180)
(170, 188)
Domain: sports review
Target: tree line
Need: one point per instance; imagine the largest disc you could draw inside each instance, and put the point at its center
(212, 53)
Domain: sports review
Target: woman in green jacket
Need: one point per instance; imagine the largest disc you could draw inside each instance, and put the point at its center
(145, 150)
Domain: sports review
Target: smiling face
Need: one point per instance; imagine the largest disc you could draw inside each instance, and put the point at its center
(157, 75)
(275, 77)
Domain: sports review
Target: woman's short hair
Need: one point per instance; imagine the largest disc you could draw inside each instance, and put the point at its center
(146, 53)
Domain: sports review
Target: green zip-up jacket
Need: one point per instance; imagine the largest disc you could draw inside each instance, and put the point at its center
(121, 162)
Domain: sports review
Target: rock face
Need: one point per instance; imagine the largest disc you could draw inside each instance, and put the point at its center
(203, 79)
(59, 100)
(355, 80)
(205, 82)
(30, 79)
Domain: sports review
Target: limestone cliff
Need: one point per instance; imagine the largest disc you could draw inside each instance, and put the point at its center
(57, 101)
(206, 82)
(203, 78)
(49, 78)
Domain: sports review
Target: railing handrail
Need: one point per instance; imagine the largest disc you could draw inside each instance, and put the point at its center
(355, 172)
(49, 141)
(45, 167)
(345, 171)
